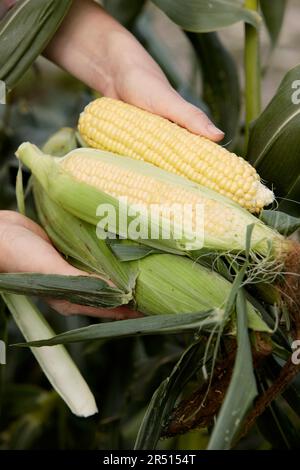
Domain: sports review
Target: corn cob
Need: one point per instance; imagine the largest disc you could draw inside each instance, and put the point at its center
(123, 129)
(68, 182)
(85, 178)
(160, 283)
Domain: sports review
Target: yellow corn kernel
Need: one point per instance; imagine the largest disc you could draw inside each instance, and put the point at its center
(124, 129)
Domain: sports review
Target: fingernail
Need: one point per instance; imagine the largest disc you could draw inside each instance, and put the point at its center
(214, 130)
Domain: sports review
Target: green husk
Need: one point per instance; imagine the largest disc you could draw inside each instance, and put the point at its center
(82, 200)
(77, 239)
(160, 283)
(61, 143)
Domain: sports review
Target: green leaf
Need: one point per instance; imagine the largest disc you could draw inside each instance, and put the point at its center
(242, 389)
(83, 290)
(125, 11)
(204, 16)
(292, 393)
(273, 14)
(165, 397)
(25, 32)
(274, 143)
(158, 324)
(277, 428)
(275, 423)
(280, 221)
(221, 88)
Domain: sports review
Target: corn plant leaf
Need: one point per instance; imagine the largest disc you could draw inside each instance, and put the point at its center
(274, 423)
(242, 389)
(221, 88)
(166, 395)
(274, 143)
(277, 428)
(292, 393)
(290, 202)
(282, 222)
(202, 16)
(125, 11)
(152, 325)
(273, 15)
(24, 33)
(292, 396)
(83, 290)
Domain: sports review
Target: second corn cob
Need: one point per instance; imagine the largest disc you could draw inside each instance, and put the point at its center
(160, 283)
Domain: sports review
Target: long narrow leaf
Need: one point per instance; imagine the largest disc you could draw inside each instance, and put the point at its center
(275, 140)
(165, 397)
(284, 223)
(242, 389)
(83, 290)
(205, 16)
(273, 15)
(158, 324)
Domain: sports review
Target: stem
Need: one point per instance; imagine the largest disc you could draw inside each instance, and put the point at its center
(252, 71)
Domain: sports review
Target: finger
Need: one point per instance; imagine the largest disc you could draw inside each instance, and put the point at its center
(68, 308)
(172, 106)
(15, 218)
(24, 251)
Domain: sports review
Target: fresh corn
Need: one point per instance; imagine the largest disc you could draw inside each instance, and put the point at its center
(160, 283)
(124, 129)
(85, 178)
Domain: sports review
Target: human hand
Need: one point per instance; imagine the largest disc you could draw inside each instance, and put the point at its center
(25, 247)
(95, 48)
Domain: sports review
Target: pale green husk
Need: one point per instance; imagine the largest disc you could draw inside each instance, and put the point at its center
(55, 361)
(82, 200)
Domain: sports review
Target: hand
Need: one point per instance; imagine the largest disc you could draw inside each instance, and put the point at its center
(25, 247)
(93, 47)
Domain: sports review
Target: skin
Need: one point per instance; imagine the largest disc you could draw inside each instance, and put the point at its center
(97, 50)
(25, 247)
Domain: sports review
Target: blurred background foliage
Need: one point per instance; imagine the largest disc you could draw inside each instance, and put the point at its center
(204, 63)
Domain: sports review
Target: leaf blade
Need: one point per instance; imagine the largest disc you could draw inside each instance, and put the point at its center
(158, 324)
(239, 395)
(203, 17)
(274, 142)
